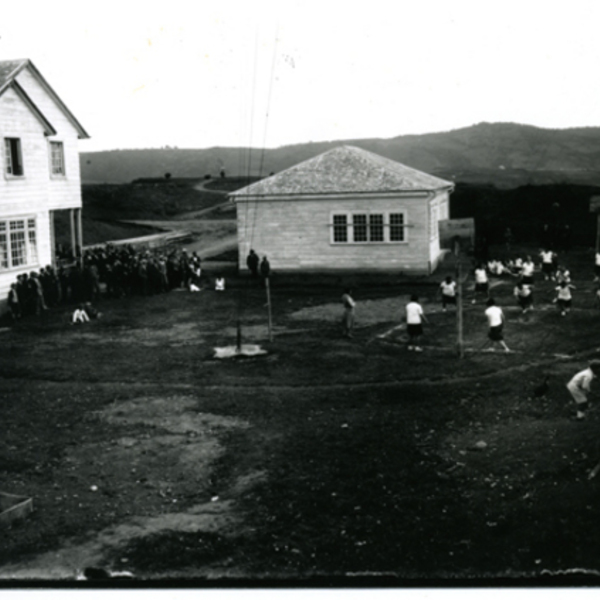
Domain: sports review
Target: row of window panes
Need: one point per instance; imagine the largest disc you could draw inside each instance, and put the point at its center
(13, 158)
(367, 228)
(18, 244)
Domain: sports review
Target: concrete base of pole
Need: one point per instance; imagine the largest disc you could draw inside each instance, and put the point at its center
(244, 350)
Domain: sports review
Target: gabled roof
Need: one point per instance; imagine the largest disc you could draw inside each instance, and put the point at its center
(48, 128)
(10, 69)
(345, 169)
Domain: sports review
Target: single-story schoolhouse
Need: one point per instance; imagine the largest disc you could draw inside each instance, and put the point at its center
(345, 210)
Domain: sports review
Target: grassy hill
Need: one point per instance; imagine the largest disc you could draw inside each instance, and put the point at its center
(505, 154)
(106, 206)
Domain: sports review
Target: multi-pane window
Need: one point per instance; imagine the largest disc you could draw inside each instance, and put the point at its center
(397, 227)
(364, 228)
(359, 225)
(3, 246)
(18, 243)
(57, 158)
(340, 228)
(13, 159)
(18, 250)
(376, 228)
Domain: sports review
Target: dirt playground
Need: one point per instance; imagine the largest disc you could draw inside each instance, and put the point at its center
(325, 460)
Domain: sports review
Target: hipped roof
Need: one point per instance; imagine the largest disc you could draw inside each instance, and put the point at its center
(10, 69)
(345, 169)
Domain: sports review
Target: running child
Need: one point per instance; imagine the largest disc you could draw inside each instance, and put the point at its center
(414, 323)
(580, 386)
(495, 318)
(448, 289)
(527, 270)
(547, 267)
(482, 284)
(524, 295)
(563, 297)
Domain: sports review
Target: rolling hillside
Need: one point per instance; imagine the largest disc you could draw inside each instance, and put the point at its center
(504, 154)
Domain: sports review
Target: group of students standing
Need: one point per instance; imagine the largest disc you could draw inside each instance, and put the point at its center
(110, 270)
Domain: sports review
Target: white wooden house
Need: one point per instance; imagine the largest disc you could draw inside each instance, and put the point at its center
(345, 210)
(40, 164)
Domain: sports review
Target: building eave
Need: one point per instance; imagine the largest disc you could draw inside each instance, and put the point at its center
(82, 133)
(324, 196)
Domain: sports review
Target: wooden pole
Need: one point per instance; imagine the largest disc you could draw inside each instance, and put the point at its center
(459, 312)
(269, 308)
(52, 240)
(73, 236)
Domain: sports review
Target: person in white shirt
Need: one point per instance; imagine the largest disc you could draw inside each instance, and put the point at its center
(79, 315)
(564, 297)
(517, 266)
(547, 267)
(481, 282)
(220, 283)
(597, 267)
(527, 270)
(580, 386)
(563, 274)
(448, 289)
(414, 323)
(524, 295)
(495, 318)
(348, 318)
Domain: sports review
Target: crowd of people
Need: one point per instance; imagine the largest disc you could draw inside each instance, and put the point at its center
(112, 271)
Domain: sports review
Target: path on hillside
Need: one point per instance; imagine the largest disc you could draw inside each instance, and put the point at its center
(201, 187)
(214, 236)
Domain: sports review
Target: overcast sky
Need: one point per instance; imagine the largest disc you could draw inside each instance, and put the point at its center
(196, 74)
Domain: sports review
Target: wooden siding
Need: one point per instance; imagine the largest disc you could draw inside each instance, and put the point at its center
(35, 193)
(295, 234)
(28, 193)
(438, 210)
(63, 191)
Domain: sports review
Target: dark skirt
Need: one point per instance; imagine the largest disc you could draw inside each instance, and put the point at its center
(562, 304)
(414, 329)
(495, 333)
(525, 301)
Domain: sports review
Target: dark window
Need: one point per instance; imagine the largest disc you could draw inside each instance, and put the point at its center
(376, 228)
(396, 227)
(360, 228)
(13, 158)
(340, 228)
